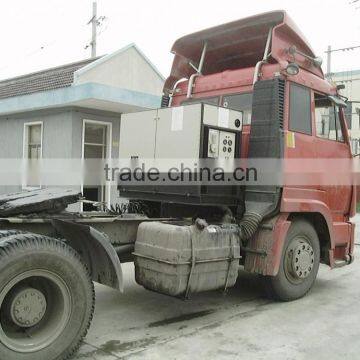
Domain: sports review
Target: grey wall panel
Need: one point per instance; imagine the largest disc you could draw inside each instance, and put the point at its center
(57, 131)
(11, 137)
(62, 134)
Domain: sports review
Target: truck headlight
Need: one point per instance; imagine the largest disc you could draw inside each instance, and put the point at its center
(292, 69)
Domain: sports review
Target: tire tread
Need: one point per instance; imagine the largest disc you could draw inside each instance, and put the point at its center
(14, 241)
(269, 282)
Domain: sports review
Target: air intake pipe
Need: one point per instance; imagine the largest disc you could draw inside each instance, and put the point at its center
(249, 224)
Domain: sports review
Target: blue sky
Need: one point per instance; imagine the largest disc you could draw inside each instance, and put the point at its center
(39, 34)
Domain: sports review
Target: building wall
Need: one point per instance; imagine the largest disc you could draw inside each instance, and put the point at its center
(126, 69)
(57, 129)
(351, 80)
(120, 82)
(62, 136)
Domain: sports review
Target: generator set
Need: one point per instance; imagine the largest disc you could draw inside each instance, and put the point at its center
(193, 132)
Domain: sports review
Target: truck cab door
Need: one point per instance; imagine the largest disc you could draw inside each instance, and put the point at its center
(331, 143)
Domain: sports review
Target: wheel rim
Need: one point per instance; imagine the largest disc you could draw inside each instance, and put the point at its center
(299, 260)
(35, 308)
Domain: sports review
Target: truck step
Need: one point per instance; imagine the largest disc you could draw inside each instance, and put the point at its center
(340, 263)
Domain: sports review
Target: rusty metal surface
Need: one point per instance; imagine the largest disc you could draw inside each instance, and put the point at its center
(180, 260)
(37, 201)
(96, 251)
(119, 229)
(265, 248)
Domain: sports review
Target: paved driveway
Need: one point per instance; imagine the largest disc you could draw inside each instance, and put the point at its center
(241, 324)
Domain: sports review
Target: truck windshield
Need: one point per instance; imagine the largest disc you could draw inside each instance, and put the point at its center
(240, 102)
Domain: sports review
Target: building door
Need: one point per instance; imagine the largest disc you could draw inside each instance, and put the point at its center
(96, 145)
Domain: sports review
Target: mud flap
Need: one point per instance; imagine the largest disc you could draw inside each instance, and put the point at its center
(95, 250)
(264, 250)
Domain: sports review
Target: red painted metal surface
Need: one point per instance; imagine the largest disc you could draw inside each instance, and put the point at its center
(240, 44)
(335, 203)
(266, 247)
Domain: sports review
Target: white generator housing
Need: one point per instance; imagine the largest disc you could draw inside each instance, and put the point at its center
(184, 132)
(191, 132)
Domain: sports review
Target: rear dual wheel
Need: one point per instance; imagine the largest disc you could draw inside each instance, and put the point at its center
(299, 263)
(46, 298)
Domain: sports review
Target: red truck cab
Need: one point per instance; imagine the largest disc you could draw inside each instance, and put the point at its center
(235, 59)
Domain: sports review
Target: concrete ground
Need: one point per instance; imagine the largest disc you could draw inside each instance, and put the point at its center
(243, 324)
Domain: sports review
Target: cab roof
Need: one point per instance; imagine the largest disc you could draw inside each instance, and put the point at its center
(240, 44)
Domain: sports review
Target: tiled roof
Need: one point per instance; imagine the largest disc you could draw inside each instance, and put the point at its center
(50, 79)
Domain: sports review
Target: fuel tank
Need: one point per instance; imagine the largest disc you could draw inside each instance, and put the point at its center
(178, 260)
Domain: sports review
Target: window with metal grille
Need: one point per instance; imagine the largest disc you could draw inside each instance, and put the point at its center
(32, 151)
(300, 109)
(33, 141)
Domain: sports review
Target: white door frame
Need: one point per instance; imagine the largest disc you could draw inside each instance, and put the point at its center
(108, 152)
(25, 148)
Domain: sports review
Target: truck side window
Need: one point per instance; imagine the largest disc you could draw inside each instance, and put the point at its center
(240, 102)
(300, 109)
(327, 119)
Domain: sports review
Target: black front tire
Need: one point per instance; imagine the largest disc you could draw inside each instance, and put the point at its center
(301, 246)
(50, 272)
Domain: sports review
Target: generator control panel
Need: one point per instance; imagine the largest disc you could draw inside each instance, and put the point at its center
(221, 144)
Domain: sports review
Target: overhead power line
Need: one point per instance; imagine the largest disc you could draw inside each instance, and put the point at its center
(329, 51)
(342, 49)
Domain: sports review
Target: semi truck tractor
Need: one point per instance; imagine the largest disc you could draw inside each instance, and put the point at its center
(247, 90)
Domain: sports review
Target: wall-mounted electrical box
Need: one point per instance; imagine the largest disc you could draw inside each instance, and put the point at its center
(194, 131)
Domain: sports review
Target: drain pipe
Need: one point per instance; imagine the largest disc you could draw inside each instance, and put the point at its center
(198, 71)
(264, 59)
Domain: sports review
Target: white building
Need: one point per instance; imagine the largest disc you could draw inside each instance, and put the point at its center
(351, 80)
(74, 111)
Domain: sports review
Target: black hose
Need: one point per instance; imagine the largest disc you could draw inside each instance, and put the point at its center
(249, 224)
(124, 249)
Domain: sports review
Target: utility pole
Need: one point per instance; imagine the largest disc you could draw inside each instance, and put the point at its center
(330, 51)
(94, 23)
(328, 66)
